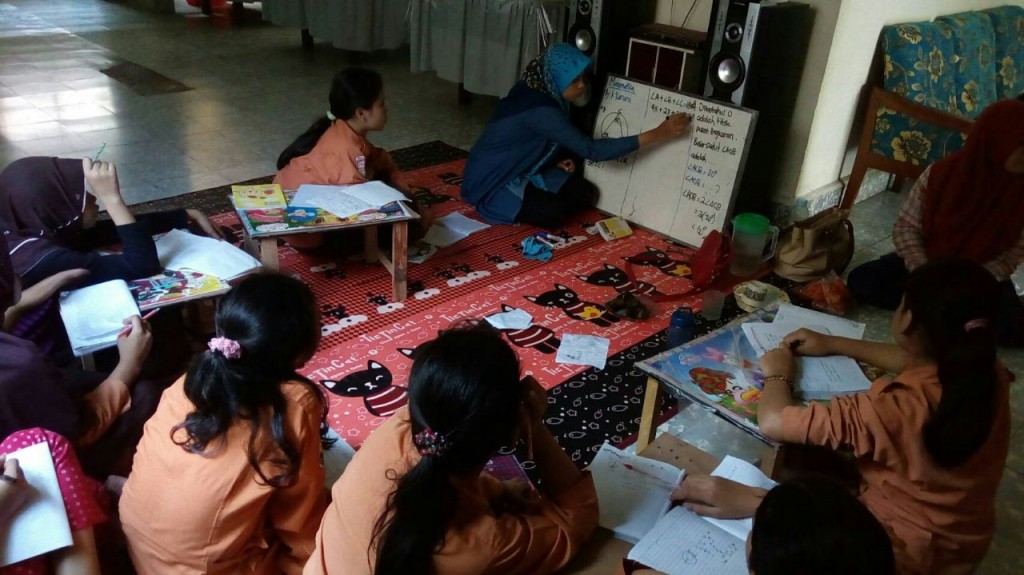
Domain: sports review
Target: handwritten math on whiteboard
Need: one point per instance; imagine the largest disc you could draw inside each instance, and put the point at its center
(684, 188)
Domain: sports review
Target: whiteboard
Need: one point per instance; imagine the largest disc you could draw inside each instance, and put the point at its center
(683, 188)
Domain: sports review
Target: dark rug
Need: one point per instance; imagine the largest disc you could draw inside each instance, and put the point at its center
(142, 80)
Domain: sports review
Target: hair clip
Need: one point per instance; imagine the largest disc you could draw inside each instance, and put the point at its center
(430, 443)
(229, 348)
(331, 116)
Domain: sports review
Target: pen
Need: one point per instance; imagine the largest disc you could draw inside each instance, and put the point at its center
(96, 156)
(128, 328)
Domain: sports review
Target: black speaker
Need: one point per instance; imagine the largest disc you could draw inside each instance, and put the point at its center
(756, 60)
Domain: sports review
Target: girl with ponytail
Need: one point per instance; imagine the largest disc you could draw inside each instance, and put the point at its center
(931, 443)
(228, 476)
(335, 149)
(414, 498)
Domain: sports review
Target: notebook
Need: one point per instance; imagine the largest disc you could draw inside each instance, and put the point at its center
(180, 250)
(682, 542)
(346, 201)
(632, 491)
(41, 525)
(451, 228)
(93, 315)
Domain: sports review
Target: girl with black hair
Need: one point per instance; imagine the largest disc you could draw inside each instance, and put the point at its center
(335, 151)
(228, 476)
(804, 527)
(930, 443)
(414, 498)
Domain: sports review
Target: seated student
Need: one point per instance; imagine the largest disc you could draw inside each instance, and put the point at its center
(520, 170)
(335, 151)
(805, 527)
(228, 476)
(930, 443)
(969, 204)
(81, 496)
(48, 214)
(414, 498)
(102, 414)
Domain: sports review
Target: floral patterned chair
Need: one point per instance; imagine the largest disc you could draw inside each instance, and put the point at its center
(938, 76)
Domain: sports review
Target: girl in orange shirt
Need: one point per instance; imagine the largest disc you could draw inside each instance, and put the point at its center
(335, 151)
(228, 476)
(414, 498)
(931, 444)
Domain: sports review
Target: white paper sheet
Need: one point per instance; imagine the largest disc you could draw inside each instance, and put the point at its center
(632, 491)
(583, 350)
(819, 377)
(741, 472)
(452, 228)
(330, 198)
(178, 249)
(375, 192)
(682, 543)
(791, 314)
(515, 319)
(41, 525)
(93, 315)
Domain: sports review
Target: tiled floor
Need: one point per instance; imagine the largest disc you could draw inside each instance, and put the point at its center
(254, 90)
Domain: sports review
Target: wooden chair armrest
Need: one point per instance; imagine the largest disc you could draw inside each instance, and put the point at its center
(895, 102)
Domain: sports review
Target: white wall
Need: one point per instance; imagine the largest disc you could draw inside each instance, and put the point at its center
(830, 148)
(674, 11)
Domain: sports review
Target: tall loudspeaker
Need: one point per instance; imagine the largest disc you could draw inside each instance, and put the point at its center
(758, 48)
(600, 29)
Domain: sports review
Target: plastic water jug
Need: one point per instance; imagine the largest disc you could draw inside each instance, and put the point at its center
(751, 234)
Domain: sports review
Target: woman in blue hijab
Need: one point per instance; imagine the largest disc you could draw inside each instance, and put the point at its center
(520, 170)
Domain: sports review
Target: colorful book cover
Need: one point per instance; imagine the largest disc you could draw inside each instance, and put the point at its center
(174, 286)
(263, 196)
(299, 218)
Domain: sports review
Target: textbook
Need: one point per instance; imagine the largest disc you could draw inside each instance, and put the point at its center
(175, 286)
(347, 201)
(93, 316)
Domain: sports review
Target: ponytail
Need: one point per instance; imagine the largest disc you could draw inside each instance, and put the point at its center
(305, 143)
(954, 303)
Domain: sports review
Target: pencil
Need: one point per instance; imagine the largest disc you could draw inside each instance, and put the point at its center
(96, 156)
(128, 328)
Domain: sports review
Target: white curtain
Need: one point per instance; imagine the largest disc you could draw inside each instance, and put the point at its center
(359, 25)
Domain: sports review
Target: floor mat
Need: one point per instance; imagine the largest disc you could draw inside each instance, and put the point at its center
(142, 80)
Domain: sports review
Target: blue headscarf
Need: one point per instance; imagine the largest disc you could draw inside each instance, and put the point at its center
(554, 69)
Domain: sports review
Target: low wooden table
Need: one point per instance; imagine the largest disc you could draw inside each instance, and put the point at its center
(263, 245)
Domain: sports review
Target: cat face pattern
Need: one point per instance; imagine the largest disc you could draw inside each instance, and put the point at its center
(656, 258)
(611, 276)
(535, 337)
(373, 384)
(567, 300)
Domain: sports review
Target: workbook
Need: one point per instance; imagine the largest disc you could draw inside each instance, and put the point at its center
(682, 542)
(93, 316)
(41, 524)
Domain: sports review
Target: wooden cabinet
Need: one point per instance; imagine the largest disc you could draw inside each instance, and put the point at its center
(667, 56)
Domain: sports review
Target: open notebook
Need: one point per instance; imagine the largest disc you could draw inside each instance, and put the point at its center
(93, 315)
(180, 250)
(41, 524)
(682, 542)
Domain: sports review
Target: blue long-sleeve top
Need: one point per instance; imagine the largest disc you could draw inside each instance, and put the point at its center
(525, 123)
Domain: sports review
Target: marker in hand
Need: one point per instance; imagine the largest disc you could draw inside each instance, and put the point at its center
(128, 328)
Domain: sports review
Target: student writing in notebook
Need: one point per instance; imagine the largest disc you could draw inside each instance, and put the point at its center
(102, 414)
(48, 215)
(79, 492)
(228, 476)
(931, 442)
(335, 149)
(804, 527)
(414, 498)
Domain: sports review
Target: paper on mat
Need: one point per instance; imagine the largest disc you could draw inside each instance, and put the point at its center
(631, 500)
(515, 319)
(682, 543)
(330, 198)
(452, 228)
(93, 315)
(178, 250)
(741, 472)
(41, 525)
(583, 350)
(802, 317)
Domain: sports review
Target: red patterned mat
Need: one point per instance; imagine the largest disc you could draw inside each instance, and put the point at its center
(363, 360)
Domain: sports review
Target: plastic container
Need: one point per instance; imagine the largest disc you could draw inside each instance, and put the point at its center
(712, 302)
(751, 233)
(681, 327)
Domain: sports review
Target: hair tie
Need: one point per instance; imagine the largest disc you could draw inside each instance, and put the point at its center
(229, 348)
(975, 324)
(331, 116)
(429, 442)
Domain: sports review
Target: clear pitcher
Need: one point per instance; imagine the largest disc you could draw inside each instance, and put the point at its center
(751, 235)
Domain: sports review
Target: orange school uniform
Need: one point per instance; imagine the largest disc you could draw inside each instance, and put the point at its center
(187, 513)
(941, 520)
(479, 542)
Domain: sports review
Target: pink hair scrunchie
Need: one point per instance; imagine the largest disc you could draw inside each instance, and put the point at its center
(229, 348)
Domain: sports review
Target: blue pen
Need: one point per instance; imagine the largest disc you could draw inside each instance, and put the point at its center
(96, 156)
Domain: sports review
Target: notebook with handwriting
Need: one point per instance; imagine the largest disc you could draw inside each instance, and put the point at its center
(683, 543)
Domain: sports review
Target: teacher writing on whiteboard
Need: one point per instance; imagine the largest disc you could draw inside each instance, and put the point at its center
(521, 170)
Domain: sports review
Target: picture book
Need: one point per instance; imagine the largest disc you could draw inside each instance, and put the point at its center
(174, 286)
(299, 218)
(262, 196)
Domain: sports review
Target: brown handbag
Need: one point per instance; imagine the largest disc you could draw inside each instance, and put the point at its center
(813, 247)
